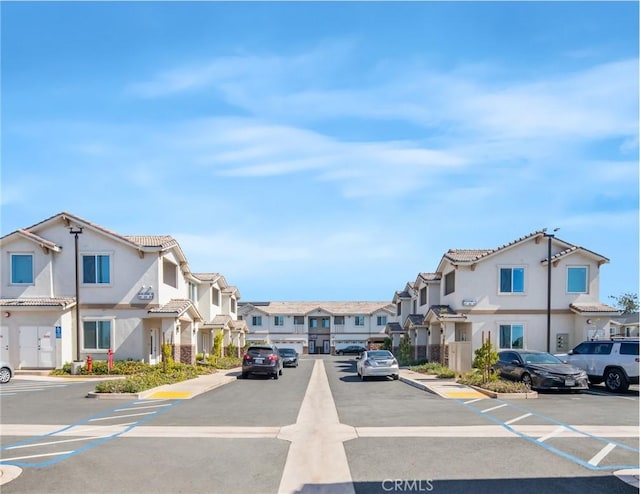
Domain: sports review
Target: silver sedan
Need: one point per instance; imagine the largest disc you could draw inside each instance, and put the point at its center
(6, 372)
(380, 363)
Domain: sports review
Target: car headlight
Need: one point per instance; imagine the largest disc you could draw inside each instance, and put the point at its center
(542, 373)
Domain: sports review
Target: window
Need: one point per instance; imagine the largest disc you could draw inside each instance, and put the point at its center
(423, 295)
(256, 321)
(398, 308)
(359, 320)
(326, 322)
(22, 269)
(511, 336)
(381, 320)
(313, 322)
(511, 280)
(169, 273)
(577, 279)
(215, 296)
(278, 320)
(414, 305)
(233, 305)
(95, 269)
(193, 292)
(298, 320)
(97, 335)
(629, 348)
(449, 282)
(338, 320)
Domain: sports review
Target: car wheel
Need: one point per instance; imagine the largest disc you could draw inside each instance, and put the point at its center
(245, 375)
(396, 377)
(275, 375)
(280, 372)
(526, 379)
(5, 375)
(615, 381)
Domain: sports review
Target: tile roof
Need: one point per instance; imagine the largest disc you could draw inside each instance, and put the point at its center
(63, 302)
(162, 241)
(416, 319)
(334, 308)
(430, 276)
(207, 276)
(586, 308)
(394, 327)
(173, 306)
(221, 320)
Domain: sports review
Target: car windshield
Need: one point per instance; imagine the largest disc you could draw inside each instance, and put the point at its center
(287, 352)
(379, 354)
(260, 351)
(540, 358)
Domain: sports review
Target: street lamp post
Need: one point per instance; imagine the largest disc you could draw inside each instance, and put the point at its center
(549, 237)
(77, 231)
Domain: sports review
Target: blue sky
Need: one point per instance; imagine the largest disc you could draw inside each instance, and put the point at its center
(331, 150)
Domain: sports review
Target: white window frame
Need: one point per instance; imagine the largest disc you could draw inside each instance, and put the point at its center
(278, 321)
(112, 323)
(357, 319)
(586, 278)
(381, 320)
(256, 320)
(109, 255)
(33, 277)
(511, 324)
(512, 268)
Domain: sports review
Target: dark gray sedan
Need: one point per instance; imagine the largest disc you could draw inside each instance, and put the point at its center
(289, 357)
(540, 370)
(262, 359)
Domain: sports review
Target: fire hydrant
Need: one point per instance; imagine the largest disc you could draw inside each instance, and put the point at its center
(89, 364)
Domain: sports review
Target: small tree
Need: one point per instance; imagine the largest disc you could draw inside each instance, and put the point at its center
(231, 350)
(628, 302)
(387, 344)
(216, 350)
(404, 352)
(485, 358)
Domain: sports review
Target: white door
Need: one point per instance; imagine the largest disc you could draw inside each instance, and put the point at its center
(4, 343)
(312, 346)
(37, 347)
(154, 336)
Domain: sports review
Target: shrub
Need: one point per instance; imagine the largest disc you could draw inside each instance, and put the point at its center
(387, 344)
(485, 358)
(475, 378)
(404, 351)
(216, 350)
(434, 368)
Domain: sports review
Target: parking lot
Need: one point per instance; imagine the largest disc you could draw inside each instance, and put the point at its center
(351, 436)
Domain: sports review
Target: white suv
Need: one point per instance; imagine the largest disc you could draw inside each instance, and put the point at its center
(613, 361)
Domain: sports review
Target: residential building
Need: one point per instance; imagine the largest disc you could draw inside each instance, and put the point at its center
(502, 294)
(135, 293)
(317, 327)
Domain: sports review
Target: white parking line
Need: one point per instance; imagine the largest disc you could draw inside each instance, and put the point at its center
(59, 453)
(518, 418)
(48, 443)
(140, 408)
(555, 433)
(493, 408)
(115, 417)
(473, 401)
(600, 456)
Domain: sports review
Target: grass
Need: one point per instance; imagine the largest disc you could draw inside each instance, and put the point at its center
(495, 384)
(434, 368)
(141, 376)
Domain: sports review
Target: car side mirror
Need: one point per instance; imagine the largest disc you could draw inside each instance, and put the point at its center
(516, 362)
(570, 352)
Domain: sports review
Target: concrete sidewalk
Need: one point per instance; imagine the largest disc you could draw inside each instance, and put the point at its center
(446, 388)
(179, 391)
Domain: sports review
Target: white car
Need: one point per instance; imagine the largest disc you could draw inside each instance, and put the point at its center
(615, 362)
(6, 372)
(380, 363)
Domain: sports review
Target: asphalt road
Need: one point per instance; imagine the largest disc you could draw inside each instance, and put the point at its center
(242, 437)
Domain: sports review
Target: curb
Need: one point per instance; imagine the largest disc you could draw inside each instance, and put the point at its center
(9, 473)
(417, 384)
(531, 395)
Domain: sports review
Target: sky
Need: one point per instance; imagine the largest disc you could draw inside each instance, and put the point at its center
(327, 150)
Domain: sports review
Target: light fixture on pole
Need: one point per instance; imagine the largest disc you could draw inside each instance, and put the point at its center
(549, 237)
(77, 231)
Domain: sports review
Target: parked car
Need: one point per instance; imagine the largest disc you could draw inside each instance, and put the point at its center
(614, 362)
(540, 370)
(261, 359)
(351, 350)
(6, 372)
(377, 363)
(289, 357)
